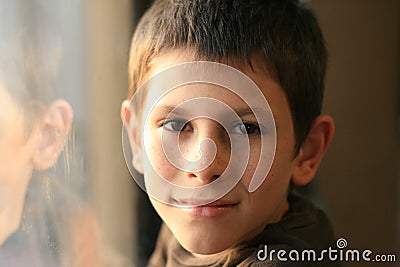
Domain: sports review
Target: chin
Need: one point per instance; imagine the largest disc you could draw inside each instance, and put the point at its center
(204, 244)
(203, 249)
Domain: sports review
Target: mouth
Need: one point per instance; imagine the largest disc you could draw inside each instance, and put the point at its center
(210, 210)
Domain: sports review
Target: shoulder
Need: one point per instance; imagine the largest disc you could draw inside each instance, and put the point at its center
(303, 228)
(307, 222)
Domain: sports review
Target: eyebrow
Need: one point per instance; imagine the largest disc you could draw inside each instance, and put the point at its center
(245, 111)
(167, 109)
(241, 112)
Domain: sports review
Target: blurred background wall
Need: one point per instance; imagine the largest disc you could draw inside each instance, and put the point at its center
(359, 178)
(108, 26)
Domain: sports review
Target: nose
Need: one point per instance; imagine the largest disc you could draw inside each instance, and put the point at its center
(207, 169)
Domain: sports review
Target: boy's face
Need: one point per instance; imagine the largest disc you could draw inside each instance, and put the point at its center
(15, 169)
(239, 215)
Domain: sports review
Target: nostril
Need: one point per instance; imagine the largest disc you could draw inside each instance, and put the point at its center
(203, 177)
(192, 175)
(214, 177)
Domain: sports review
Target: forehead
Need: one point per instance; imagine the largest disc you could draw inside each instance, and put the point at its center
(193, 93)
(258, 74)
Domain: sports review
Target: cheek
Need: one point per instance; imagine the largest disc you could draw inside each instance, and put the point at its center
(157, 157)
(15, 173)
(15, 158)
(282, 168)
(250, 170)
(253, 162)
(271, 195)
(282, 164)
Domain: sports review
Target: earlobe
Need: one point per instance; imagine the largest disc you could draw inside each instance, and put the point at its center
(313, 150)
(132, 128)
(54, 130)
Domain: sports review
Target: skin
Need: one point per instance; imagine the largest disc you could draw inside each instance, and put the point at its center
(21, 153)
(244, 214)
(15, 168)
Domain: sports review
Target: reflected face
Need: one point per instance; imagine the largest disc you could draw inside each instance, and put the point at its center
(16, 151)
(239, 215)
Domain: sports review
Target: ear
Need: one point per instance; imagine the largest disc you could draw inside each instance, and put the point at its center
(54, 130)
(313, 150)
(131, 124)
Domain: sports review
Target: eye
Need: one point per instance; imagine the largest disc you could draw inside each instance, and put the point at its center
(176, 125)
(246, 128)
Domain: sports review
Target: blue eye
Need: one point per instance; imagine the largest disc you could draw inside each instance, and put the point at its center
(246, 128)
(175, 125)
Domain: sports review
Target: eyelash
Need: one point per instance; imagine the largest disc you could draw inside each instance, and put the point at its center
(250, 128)
(181, 125)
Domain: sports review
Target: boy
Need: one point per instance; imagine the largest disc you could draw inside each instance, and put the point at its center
(44, 221)
(279, 46)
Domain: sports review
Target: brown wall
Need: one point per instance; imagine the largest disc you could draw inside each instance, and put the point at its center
(358, 179)
(109, 27)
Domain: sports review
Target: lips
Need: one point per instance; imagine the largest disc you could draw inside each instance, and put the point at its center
(213, 209)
